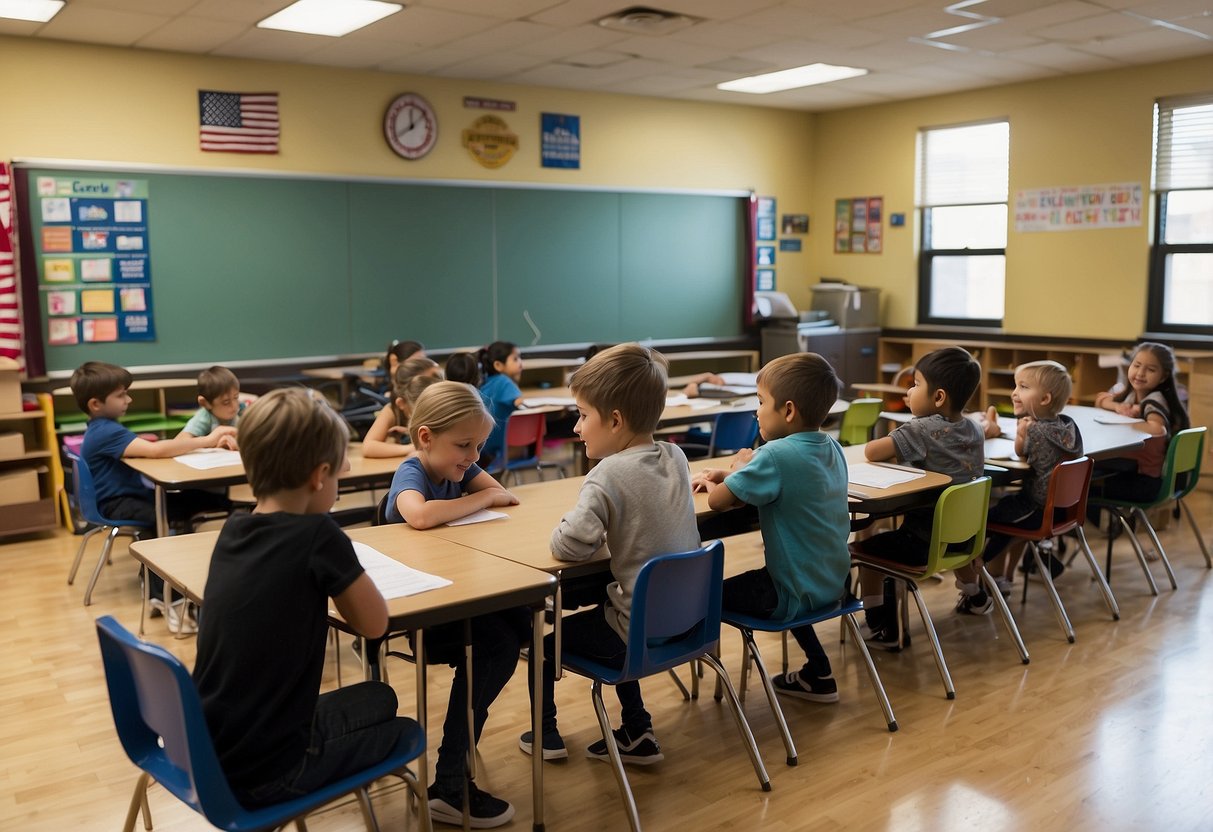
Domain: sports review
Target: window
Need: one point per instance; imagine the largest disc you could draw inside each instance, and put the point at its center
(1181, 262)
(962, 194)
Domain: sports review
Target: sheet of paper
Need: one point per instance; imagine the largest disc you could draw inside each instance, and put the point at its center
(550, 401)
(1110, 418)
(1000, 448)
(703, 404)
(392, 578)
(740, 379)
(209, 458)
(879, 476)
(482, 516)
(676, 399)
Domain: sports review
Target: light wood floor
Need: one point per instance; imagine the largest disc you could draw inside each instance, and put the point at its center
(1110, 733)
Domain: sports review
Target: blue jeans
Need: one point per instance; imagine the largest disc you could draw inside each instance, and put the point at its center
(353, 728)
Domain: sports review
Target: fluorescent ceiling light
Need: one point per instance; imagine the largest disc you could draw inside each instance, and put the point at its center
(37, 10)
(788, 79)
(329, 17)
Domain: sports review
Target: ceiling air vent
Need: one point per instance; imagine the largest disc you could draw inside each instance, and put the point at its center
(643, 20)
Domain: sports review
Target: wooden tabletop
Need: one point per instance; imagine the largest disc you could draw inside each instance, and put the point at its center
(172, 474)
(481, 582)
(676, 414)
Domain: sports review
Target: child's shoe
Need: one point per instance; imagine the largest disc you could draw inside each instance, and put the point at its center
(484, 810)
(1004, 587)
(553, 745)
(180, 617)
(642, 750)
(810, 688)
(978, 604)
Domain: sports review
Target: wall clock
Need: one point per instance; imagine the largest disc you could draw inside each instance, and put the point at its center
(410, 126)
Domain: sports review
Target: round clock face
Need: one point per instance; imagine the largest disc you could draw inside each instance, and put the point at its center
(410, 126)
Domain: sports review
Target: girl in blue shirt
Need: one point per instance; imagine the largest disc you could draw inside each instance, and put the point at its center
(502, 366)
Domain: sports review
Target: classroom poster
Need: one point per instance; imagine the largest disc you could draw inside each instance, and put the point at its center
(1079, 208)
(765, 218)
(859, 225)
(94, 259)
(560, 140)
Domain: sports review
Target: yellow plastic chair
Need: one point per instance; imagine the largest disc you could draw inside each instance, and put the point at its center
(957, 539)
(858, 421)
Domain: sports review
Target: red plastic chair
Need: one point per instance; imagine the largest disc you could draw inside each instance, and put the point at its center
(523, 430)
(1064, 512)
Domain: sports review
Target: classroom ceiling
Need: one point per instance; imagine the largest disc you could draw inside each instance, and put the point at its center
(912, 48)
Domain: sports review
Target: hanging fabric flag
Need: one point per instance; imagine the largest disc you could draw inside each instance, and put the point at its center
(238, 122)
(10, 323)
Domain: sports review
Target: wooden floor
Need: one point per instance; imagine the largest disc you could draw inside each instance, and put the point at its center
(1113, 732)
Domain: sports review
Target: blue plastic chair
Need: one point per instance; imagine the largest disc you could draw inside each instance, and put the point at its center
(730, 432)
(162, 728)
(844, 609)
(675, 619)
(86, 502)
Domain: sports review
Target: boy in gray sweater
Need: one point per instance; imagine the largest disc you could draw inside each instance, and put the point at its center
(637, 501)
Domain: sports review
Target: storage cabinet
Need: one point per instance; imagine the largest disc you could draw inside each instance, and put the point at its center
(27, 485)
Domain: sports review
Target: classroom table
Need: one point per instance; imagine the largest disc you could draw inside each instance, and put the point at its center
(170, 475)
(348, 376)
(480, 584)
(695, 410)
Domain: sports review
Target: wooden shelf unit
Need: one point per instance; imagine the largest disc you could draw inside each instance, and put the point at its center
(37, 461)
(1000, 358)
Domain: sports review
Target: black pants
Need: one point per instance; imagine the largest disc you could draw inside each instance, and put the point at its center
(753, 593)
(353, 728)
(496, 640)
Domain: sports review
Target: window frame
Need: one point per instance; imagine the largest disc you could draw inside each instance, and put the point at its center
(927, 255)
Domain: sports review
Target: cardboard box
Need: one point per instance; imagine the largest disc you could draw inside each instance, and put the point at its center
(12, 444)
(10, 386)
(20, 486)
(851, 307)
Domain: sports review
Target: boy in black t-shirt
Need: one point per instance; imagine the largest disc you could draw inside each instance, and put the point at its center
(264, 624)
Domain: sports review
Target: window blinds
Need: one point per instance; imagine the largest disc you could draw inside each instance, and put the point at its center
(1184, 143)
(967, 165)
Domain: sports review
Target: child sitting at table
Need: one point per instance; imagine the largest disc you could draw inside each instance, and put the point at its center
(442, 482)
(939, 438)
(388, 435)
(637, 500)
(262, 638)
(219, 402)
(100, 390)
(798, 481)
(397, 353)
(1044, 437)
(502, 366)
(463, 367)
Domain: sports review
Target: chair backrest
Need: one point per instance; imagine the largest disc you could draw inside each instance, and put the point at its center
(732, 432)
(960, 523)
(524, 430)
(501, 412)
(1068, 487)
(857, 422)
(381, 511)
(1183, 457)
(675, 610)
(86, 491)
(160, 723)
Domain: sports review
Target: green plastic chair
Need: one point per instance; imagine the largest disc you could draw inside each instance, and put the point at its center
(858, 420)
(960, 523)
(1183, 457)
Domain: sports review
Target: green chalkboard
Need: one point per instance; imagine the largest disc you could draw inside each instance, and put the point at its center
(258, 268)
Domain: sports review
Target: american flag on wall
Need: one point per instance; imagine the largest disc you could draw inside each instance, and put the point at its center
(10, 324)
(238, 122)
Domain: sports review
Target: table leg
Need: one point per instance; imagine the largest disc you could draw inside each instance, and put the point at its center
(423, 810)
(556, 602)
(161, 512)
(537, 711)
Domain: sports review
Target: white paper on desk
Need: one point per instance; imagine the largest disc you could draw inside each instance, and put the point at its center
(391, 577)
(703, 404)
(676, 399)
(208, 458)
(482, 516)
(879, 476)
(1111, 418)
(550, 401)
(1000, 448)
(740, 379)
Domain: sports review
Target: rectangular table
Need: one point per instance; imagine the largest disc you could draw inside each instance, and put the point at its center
(170, 475)
(480, 584)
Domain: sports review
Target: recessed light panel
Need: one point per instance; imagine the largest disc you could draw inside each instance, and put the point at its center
(788, 79)
(333, 18)
(39, 11)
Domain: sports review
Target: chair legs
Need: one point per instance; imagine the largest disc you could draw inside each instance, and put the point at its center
(1141, 555)
(138, 803)
(743, 727)
(1162, 554)
(877, 686)
(1097, 575)
(1046, 575)
(750, 649)
(949, 688)
(112, 533)
(1204, 550)
(604, 722)
(88, 535)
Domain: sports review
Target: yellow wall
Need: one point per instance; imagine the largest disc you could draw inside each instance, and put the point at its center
(139, 107)
(1078, 130)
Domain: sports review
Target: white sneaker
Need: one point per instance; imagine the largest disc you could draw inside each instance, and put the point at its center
(181, 618)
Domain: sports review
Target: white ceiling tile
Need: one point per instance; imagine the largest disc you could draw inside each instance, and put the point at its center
(356, 53)
(713, 9)
(1092, 28)
(915, 22)
(1060, 58)
(506, 36)
(733, 36)
(666, 49)
(1008, 8)
(843, 36)
(577, 12)
(593, 59)
(95, 25)
(413, 61)
(854, 11)
(788, 21)
(1203, 24)
(240, 11)
(489, 66)
(570, 42)
(161, 7)
(500, 9)
(423, 26)
(19, 27)
(1154, 44)
(1172, 9)
(787, 53)
(995, 38)
(1054, 13)
(192, 34)
(272, 45)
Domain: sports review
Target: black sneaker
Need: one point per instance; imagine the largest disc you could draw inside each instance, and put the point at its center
(979, 604)
(811, 688)
(641, 751)
(885, 638)
(484, 810)
(553, 745)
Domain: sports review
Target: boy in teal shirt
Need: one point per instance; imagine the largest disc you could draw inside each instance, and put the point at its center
(798, 482)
